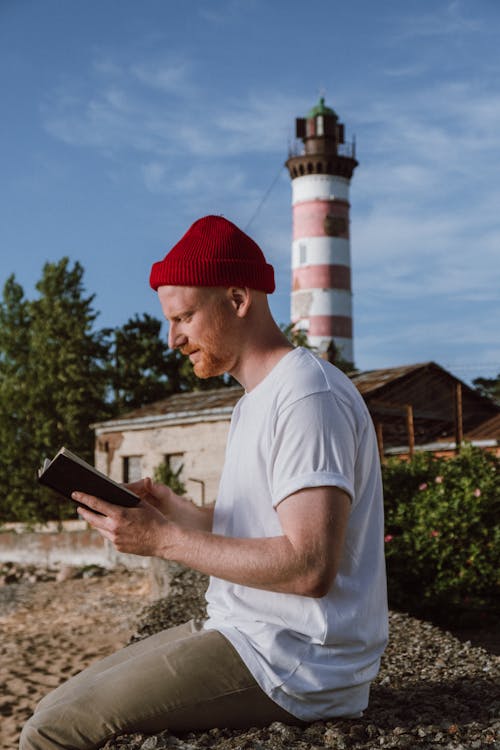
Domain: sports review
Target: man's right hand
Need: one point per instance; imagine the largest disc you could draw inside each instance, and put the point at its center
(154, 493)
(177, 508)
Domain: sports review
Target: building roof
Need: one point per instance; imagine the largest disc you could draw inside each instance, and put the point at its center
(488, 430)
(188, 407)
(431, 391)
(370, 381)
(192, 401)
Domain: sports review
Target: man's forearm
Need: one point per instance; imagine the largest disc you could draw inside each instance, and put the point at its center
(303, 560)
(269, 563)
(185, 513)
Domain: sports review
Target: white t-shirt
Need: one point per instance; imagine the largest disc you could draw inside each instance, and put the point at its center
(305, 425)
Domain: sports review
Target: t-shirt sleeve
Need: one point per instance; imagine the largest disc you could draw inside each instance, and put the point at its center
(313, 445)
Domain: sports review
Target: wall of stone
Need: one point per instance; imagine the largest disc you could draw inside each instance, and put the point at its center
(55, 544)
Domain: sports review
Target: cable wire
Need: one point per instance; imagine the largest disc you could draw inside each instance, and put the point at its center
(264, 199)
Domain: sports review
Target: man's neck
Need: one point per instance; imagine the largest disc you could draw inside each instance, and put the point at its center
(258, 362)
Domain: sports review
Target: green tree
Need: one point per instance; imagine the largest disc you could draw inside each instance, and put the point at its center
(186, 380)
(17, 446)
(68, 384)
(138, 366)
(489, 387)
(298, 337)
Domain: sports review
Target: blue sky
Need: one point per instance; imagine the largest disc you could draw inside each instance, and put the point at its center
(123, 122)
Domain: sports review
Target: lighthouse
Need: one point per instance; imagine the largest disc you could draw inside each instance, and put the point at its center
(321, 298)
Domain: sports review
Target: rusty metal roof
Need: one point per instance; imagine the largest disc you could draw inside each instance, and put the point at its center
(489, 430)
(192, 401)
(369, 381)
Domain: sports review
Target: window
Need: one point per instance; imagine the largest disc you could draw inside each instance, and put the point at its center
(170, 472)
(302, 253)
(175, 462)
(132, 468)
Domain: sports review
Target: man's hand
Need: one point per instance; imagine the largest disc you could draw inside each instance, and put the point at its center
(142, 530)
(159, 495)
(176, 508)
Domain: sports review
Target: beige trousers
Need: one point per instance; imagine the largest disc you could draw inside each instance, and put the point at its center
(181, 679)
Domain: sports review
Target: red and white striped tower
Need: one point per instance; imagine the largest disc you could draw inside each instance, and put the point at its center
(321, 264)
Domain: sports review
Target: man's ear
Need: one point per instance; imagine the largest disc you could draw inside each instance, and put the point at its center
(241, 299)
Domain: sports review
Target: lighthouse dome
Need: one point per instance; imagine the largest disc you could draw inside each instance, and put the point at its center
(321, 109)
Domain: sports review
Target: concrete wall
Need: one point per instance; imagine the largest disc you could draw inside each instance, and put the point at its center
(68, 543)
(202, 445)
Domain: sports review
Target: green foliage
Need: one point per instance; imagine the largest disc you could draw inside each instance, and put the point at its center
(298, 337)
(137, 365)
(489, 387)
(186, 380)
(166, 475)
(67, 359)
(443, 533)
(53, 386)
(17, 441)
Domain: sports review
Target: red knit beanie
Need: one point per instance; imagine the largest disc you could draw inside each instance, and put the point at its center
(214, 252)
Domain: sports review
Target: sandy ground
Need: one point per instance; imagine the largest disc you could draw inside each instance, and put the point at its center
(51, 630)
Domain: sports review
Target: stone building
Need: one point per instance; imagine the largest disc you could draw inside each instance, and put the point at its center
(187, 431)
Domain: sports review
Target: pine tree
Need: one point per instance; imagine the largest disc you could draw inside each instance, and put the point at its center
(17, 444)
(489, 387)
(138, 371)
(67, 359)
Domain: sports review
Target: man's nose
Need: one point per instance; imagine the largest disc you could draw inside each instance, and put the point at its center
(176, 339)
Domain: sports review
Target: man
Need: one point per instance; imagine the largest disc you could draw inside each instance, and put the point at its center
(297, 613)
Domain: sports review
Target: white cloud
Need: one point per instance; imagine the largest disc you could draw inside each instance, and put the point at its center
(406, 71)
(417, 336)
(180, 117)
(425, 219)
(169, 77)
(445, 21)
(225, 12)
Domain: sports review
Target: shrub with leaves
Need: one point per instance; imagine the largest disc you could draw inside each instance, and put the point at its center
(166, 475)
(443, 534)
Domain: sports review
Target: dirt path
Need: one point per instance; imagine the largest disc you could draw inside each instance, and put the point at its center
(51, 630)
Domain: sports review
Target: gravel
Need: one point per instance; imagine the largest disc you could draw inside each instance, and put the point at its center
(433, 691)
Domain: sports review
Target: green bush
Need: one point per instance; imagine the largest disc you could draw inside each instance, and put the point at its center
(443, 535)
(166, 475)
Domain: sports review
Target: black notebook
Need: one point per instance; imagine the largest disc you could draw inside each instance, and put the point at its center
(67, 473)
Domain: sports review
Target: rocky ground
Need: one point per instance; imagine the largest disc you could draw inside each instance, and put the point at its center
(434, 690)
